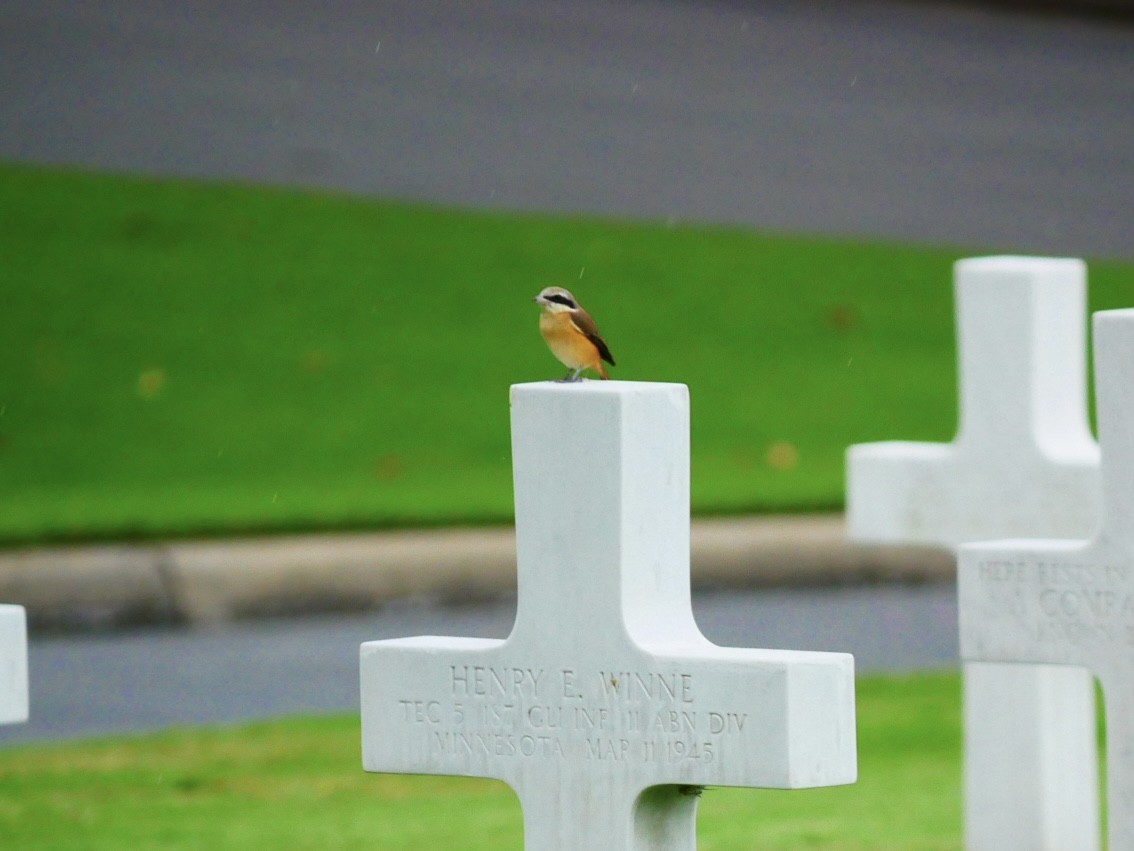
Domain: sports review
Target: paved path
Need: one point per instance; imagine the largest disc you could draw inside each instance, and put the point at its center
(933, 122)
(210, 582)
(150, 679)
(231, 668)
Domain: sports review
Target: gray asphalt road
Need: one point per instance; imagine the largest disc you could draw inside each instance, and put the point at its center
(132, 682)
(934, 122)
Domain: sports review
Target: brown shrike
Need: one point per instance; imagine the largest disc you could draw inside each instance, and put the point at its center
(571, 334)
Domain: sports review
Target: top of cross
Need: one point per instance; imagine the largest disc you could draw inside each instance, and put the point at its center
(1024, 461)
(1021, 325)
(1114, 386)
(602, 518)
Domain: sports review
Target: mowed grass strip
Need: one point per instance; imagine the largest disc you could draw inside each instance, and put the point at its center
(183, 358)
(298, 784)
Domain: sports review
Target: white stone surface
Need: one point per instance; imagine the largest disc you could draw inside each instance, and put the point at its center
(1071, 602)
(1023, 463)
(605, 707)
(13, 665)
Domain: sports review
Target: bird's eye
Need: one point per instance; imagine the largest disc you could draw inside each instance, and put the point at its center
(561, 299)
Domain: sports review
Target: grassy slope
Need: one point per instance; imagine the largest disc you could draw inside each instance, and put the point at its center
(298, 784)
(182, 357)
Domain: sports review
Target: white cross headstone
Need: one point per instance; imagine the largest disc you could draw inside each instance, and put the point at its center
(13, 665)
(1072, 602)
(1023, 463)
(606, 709)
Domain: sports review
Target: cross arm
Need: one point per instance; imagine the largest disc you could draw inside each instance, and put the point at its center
(1034, 601)
(781, 719)
(413, 695)
(13, 665)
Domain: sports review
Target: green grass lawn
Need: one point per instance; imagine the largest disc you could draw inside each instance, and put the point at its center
(298, 784)
(186, 358)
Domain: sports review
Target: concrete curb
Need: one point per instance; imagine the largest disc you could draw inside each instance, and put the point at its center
(202, 583)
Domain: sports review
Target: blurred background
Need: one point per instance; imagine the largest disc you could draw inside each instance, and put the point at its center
(760, 199)
(268, 267)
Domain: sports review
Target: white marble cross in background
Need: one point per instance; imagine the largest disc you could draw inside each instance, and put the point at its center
(1071, 602)
(13, 665)
(1023, 463)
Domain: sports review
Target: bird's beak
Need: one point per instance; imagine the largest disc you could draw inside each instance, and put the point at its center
(536, 300)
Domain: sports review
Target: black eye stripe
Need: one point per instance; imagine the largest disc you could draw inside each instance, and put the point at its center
(561, 299)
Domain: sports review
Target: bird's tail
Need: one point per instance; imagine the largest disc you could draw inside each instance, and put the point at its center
(601, 370)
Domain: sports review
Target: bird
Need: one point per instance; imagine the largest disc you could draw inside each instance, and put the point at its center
(571, 334)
